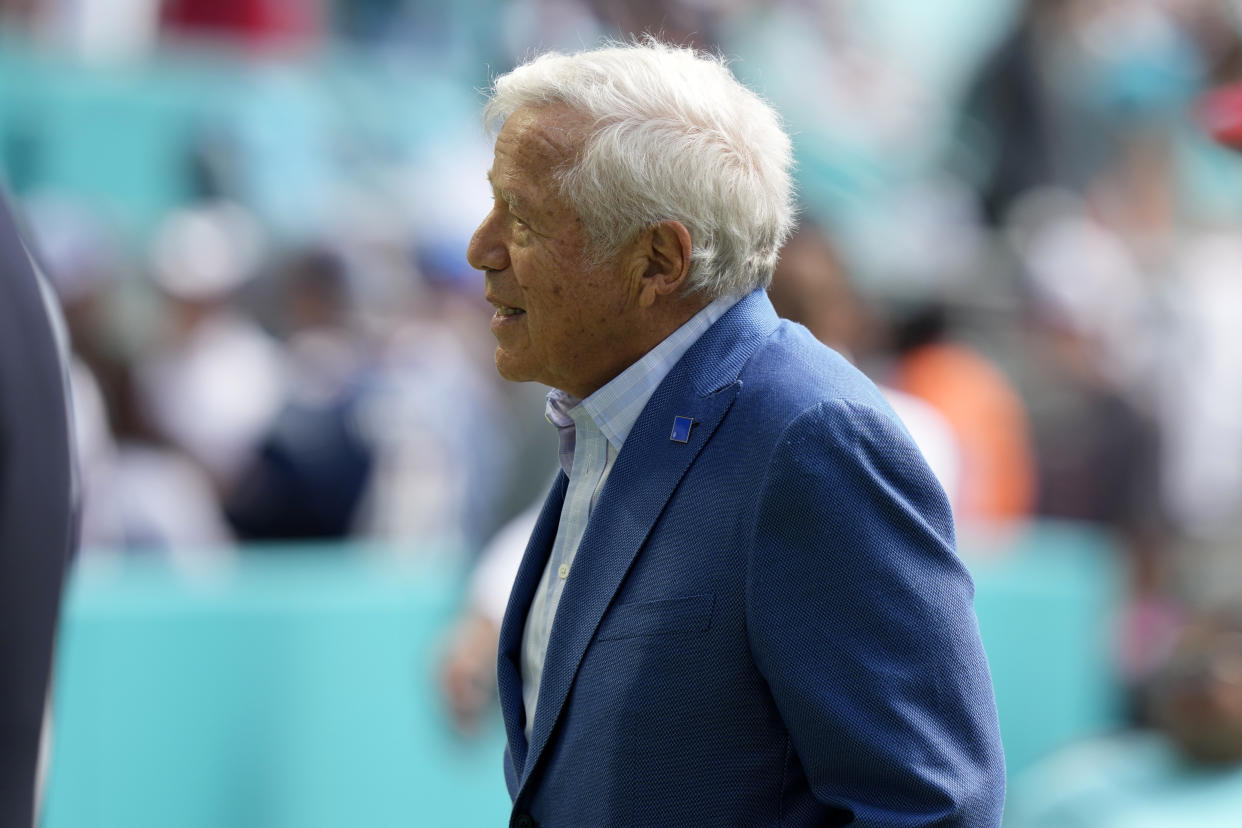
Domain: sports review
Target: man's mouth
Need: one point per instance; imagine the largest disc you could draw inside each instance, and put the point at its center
(506, 311)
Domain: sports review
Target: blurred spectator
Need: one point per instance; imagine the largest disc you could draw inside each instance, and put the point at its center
(437, 422)
(256, 22)
(1188, 771)
(152, 496)
(468, 668)
(92, 29)
(136, 493)
(310, 469)
(214, 381)
(1097, 443)
(1200, 408)
(810, 286)
(684, 22)
(570, 25)
(988, 418)
(1011, 112)
(1197, 694)
(1074, 77)
(1097, 449)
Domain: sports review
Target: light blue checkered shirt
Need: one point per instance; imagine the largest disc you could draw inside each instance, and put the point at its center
(591, 434)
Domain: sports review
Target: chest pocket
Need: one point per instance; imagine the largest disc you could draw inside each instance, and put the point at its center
(690, 614)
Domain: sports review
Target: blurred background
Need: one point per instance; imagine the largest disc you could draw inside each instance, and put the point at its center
(304, 486)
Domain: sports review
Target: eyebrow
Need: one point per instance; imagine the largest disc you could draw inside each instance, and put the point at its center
(508, 196)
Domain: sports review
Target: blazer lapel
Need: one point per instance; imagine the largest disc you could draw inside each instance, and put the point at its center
(702, 386)
(509, 650)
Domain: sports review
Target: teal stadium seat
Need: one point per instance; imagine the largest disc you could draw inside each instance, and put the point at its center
(114, 138)
(1048, 610)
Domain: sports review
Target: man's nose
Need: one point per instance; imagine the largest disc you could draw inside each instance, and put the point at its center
(486, 250)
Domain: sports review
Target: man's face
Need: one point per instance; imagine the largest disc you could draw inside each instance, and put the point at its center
(558, 320)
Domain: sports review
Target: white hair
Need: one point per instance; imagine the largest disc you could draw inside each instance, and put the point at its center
(675, 137)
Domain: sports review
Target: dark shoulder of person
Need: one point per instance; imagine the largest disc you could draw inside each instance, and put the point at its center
(37, 512)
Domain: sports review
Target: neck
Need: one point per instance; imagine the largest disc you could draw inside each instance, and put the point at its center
(657, 326)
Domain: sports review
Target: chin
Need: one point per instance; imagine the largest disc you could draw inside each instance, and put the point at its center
(511, 368)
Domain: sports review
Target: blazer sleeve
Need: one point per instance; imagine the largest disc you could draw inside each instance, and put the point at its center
(861, 619)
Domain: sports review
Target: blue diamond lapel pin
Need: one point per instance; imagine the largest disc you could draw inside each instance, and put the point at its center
(681, 429)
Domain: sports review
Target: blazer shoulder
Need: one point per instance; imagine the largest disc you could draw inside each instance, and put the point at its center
(792, 372)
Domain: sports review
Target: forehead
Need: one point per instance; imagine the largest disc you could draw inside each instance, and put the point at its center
(535, 143)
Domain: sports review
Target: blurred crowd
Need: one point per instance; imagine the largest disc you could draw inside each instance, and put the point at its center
(1014, 219)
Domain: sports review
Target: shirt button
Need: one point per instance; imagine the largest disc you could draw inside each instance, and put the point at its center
(525, 821)
(563, 571)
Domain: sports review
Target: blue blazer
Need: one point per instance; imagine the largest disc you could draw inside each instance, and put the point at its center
(765, 625)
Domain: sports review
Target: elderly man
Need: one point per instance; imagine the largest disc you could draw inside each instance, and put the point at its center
(741, 603)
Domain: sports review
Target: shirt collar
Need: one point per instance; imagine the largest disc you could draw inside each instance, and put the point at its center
(615, 407)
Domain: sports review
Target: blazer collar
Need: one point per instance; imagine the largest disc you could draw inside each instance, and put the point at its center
(702, 386)
(509, 650)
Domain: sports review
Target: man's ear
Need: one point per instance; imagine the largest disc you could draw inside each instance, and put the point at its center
(665, 261)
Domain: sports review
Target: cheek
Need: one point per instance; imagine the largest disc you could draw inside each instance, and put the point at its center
(549, 283)
(565, 299)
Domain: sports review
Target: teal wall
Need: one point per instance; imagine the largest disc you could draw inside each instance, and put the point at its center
(295, 688)
(291, 690)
